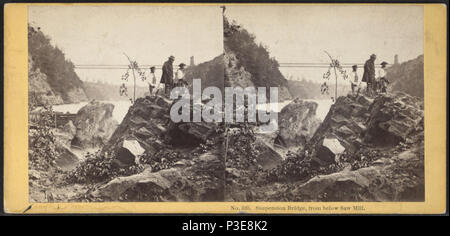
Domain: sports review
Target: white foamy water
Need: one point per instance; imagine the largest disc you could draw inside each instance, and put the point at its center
(321, 112)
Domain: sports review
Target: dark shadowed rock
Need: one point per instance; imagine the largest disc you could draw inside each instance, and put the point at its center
(297, 123)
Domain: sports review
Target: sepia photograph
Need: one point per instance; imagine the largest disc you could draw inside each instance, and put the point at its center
(232, 103)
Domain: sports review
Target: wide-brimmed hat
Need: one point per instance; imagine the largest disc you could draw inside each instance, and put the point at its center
(355, 66)
(152, 67)
(172, 57)
(181, 65)
(383, 63)
(373, 56)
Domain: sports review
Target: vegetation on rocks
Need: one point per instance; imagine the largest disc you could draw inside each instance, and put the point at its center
(42, 149)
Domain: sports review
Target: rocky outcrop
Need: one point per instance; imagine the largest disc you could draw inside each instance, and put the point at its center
(145, 123)
(394, 119)
(357, 122)
(400, 178)
(94, 125)
(297, 123)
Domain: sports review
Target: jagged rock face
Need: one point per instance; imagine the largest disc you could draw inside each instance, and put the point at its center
(148, 123)
(95, 124)
(297, 123)
(143, 123)
(407, 77)
(358, 121)
(400, 178)
(39, 91)
(394, 119)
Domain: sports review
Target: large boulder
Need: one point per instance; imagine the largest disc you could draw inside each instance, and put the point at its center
(129, 152)
(297, 123)
(329, 150)
(95, 125)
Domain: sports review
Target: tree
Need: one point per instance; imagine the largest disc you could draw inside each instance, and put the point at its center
(134, 67)
(335, 66)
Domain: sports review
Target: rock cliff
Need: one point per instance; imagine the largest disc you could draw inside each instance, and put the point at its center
(60, 84)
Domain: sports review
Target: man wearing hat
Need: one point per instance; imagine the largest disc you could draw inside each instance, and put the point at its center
(151, 80)
(167, 75)
(354, 79)
(369, 73)
(383, 82)
(179, 76)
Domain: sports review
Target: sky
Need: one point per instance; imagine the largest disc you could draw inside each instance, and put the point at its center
(93, 35)
(349, 33)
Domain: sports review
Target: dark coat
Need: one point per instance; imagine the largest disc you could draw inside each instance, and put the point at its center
(369, 72)
(167, 73)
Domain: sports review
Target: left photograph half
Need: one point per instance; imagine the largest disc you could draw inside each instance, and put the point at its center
(99, 101)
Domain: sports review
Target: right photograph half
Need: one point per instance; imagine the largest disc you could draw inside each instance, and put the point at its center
(340, 103)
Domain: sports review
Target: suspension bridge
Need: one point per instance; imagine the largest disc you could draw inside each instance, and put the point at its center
(158, 67)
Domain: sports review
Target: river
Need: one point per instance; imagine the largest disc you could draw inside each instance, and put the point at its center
(121, 107)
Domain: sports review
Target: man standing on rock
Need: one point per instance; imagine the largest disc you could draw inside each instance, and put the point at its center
(382, 77)
(167, 75)
(152, 81)
(369, 74)
(354, 80)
